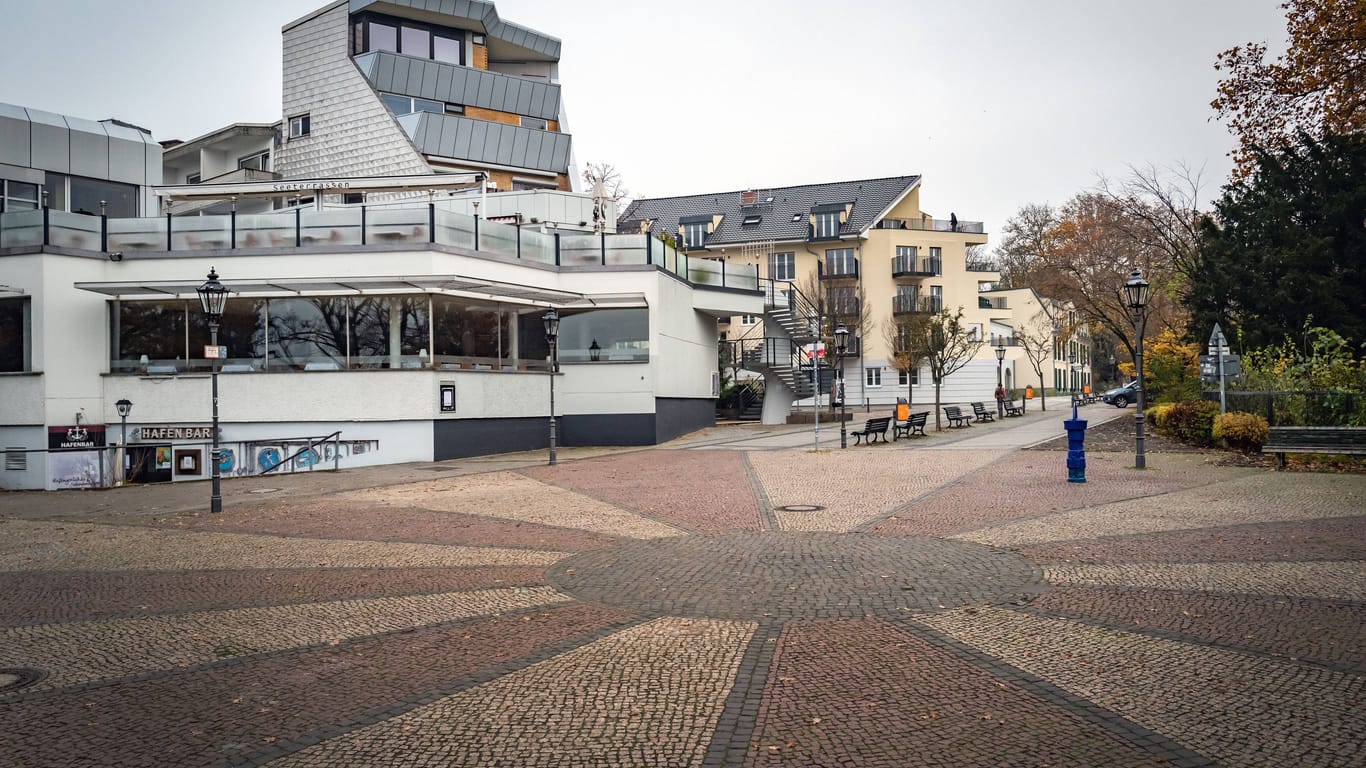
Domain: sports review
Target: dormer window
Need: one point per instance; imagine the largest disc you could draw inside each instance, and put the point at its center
(695, 229)
(751, 220)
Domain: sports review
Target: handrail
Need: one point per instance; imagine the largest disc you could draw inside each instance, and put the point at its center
(336, 455)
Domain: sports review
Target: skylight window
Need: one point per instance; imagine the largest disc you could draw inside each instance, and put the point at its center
(751, 220)
(796, 217)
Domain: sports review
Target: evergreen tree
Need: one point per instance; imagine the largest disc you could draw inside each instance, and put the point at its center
(1288, 244)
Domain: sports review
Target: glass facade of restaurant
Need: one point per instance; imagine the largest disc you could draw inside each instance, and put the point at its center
(16, 343)
(363, 332)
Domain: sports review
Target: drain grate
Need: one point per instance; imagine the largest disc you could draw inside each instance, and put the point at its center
(800, 508)
(14, 678)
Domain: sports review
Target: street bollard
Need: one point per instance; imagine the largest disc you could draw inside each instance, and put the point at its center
(1076, 450)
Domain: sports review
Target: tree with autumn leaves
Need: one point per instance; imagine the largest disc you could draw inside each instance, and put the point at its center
(1317, 87)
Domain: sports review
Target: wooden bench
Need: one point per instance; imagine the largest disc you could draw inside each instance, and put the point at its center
(980, 411)
(1012, 409)
(1345, 440)
(872, 429)
(956, 417)
(914, 424)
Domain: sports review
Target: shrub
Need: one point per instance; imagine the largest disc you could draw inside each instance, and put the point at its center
(1156, 415)
(1245, 432)
(1190, 422)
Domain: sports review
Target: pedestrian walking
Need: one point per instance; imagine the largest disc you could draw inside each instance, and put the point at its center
(1000, 401)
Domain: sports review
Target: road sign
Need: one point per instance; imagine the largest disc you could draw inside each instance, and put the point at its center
(215, 353)
(1217, 340)
(1209, 367)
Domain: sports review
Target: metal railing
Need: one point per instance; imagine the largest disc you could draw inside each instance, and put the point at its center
(933, 225)
(351, 226)
(914, 304)
(903, 266)
(1299, 408)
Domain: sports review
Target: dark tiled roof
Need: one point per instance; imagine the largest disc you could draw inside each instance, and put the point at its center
(777, 207)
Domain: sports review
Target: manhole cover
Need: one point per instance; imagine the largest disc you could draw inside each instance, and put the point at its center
(15, 678)
(800, 508)
(263, 490)
(795, 575)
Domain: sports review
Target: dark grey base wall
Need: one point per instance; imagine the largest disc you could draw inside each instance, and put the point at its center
(463, 438)
(679, 416)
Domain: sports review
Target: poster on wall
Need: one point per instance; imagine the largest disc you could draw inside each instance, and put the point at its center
(164, 460)
(68, 465)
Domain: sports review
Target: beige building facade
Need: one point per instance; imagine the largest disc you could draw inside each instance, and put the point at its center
(867, 254)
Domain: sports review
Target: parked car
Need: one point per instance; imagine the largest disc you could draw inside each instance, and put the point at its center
(1120, 397)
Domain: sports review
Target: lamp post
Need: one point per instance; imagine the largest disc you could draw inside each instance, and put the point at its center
(124, 406)
(841, 347)
(213, 295)
(594, 351)
(1072, 381)
(551, 320)
(1136, 292)
(1000, 359)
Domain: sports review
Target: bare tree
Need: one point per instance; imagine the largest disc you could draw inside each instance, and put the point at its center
(980, 259)
(1024, 238)
(604, 184)
(946, 343)
(906, 356)
(1038, 337)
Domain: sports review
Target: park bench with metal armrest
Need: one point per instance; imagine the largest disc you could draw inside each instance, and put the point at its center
(871, 430)
(956, 417)
(914, 424)
(980, 411)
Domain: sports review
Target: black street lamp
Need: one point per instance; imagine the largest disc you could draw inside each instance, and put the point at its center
(124, 406)
(213, 295)
(594, 351)
(1000, 359)
(551, 320)
(841, 347)
(1072, 381)
(1136, 292)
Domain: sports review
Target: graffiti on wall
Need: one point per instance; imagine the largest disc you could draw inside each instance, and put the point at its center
(251, 458)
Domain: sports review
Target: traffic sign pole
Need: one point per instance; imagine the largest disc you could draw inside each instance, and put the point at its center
(1217, 344)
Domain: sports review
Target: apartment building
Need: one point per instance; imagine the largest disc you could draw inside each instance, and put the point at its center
(401, 87)
(863, 253)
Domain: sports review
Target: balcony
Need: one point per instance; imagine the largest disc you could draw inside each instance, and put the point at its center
(934, 225)
(376, 228)
(839, 269)
(991, 302)
(913, 304)
(910, 266)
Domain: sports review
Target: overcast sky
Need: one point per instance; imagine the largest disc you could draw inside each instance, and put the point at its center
(997, 103)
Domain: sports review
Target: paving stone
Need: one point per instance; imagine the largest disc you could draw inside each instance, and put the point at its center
(1238, 709)
(1341, 538)
(44, 546)
(133, 646)
(1263, 497)
(667, 487)
(648, 695)
(1332, 580)
(794, 575)
(511, 496)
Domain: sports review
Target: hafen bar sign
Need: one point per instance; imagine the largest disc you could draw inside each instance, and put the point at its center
(75, 437)
(175, 433)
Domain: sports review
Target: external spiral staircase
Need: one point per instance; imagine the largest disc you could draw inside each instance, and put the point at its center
(778, 348)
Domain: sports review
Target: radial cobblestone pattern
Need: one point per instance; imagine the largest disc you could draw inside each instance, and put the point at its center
(795, 575)
(947, 607)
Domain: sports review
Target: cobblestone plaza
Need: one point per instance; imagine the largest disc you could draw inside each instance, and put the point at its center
(730, 600)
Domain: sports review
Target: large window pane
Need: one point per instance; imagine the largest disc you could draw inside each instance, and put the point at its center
(15, 336)
(308, 334)
(467, 328)
(416, 42)
(383, 37)
(399, 105)
(86, 195)
(55, 185)
(446, 49)
(621, 334)
(242, 329)
(389, 331)
(151, 329)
